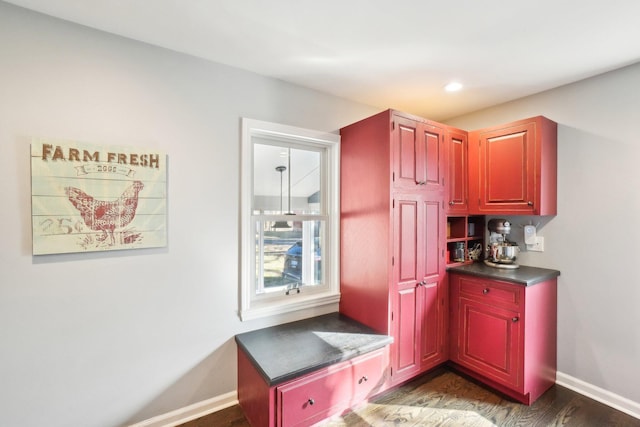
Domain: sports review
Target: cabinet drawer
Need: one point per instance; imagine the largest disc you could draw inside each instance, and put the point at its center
(491, 292)
(369, 375)
(316, 396)
(311, 398)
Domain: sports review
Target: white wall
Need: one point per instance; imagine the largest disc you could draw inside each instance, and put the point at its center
(113, 338)
(593, 239)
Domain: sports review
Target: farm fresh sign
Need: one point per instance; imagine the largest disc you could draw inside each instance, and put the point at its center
(87, 198)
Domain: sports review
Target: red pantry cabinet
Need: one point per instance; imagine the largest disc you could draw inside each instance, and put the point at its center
(513, 168)
(393, 236)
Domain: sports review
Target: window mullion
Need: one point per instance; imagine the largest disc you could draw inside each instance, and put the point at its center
(259, 282)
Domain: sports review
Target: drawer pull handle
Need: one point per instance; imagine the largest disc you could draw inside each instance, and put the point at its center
(311, 402)
(485, 291)
(363, 380)
(515, 319)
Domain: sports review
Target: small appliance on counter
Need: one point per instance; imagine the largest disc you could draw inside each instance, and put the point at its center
(501, 253)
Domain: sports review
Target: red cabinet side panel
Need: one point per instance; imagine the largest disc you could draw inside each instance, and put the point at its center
(256, 398)
(365, 219)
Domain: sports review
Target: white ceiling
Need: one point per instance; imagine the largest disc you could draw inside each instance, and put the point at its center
(386, 54)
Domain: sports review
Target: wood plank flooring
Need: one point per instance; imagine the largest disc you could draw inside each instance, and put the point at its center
(445, 398)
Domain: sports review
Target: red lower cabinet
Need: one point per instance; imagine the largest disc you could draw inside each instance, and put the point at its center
(313, 397)
(505, 334)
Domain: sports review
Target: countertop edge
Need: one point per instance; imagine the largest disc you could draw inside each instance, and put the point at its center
(525, 275)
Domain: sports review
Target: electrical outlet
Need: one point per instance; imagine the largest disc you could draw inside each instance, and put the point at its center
(538, 246)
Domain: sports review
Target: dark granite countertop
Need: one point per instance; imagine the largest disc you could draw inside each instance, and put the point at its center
(287, 351)
(524, 275)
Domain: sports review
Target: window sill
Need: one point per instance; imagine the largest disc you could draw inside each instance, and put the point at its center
(317, 302)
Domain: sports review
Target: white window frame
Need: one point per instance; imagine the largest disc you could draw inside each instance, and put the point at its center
(251, 306)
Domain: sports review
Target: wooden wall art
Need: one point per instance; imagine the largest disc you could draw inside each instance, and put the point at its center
(96, 198)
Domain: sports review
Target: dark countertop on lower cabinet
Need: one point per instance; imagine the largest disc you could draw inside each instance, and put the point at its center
(284, 352)
(524, 275)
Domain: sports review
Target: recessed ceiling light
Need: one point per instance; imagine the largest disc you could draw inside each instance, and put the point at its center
(453, 87)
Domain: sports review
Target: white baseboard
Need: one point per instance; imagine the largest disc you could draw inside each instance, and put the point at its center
(191, 412)
(209, 406)
(596, 393)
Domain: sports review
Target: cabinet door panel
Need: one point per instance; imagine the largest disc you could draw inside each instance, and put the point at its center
(458, 172)
(433, 238)
(407, 229)
(429, 166)
(508, 169)
(405, 139)
(491, 342)
(430, 327)
(406, 362)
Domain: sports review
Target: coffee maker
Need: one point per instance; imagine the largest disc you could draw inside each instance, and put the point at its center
(501, 253)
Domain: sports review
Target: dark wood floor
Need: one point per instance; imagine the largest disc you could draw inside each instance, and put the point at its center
(444, 398)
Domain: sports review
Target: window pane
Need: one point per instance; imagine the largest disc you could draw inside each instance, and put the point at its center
(285, 180)
(288, 254)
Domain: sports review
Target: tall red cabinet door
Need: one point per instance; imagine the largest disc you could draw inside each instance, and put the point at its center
(431, 159)
(408, 217)
(432, 290)
(458, 182)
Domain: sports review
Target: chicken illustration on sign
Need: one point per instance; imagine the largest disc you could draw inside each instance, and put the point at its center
(106, 216)
(86, 198)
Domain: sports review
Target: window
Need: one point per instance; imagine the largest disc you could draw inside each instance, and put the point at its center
(289, 219)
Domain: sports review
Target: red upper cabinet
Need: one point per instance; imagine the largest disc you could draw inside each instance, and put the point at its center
(418, 156)
(457, 183)
(513, 168)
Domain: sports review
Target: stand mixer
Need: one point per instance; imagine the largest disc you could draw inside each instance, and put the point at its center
(501, 253)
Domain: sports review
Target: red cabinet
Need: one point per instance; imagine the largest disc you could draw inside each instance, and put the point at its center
(310, 398)
(393, 236)
(314, 397)
(419, 305)
(513, 168)
(505, 334)
(418, 153)
(457, 166)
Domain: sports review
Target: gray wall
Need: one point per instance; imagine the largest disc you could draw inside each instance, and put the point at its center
(592, 240)
(112, 338)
